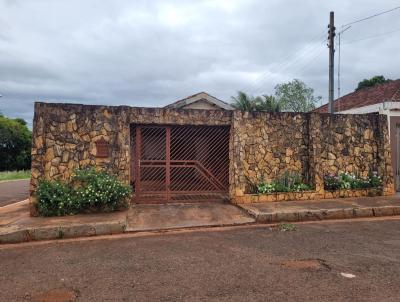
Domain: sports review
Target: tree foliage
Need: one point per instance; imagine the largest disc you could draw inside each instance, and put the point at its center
(292, 96)
(372, 82)
(246, 102)
(15, 144)
(296, 96)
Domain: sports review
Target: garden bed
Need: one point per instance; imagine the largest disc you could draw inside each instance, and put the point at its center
(307, 195)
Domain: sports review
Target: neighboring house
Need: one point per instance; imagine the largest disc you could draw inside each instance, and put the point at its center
(383, 99)
(200, 100)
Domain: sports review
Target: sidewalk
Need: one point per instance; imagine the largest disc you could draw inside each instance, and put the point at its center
(341, 208)
(17, 226)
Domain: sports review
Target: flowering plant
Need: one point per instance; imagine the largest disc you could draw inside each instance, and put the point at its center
(88, 190)
(347, 180)
(289, 182)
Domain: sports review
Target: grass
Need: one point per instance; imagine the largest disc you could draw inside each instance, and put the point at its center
(286, 227)
(12, 175)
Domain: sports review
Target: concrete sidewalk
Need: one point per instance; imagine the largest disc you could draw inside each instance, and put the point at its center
(17, 226)
(341, 208)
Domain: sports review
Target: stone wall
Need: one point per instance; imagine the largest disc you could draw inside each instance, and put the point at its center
(268, 144)
(262, 145)
(64, 135)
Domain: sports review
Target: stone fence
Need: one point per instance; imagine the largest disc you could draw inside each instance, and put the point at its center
(262, 145)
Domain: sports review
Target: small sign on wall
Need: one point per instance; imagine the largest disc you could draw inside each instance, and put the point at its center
(102, 148)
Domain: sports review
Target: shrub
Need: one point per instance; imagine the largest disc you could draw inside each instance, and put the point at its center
(89, 190)
(55, 199)
(97, 189)
(331, 182)
(289, 182)
(350, 181)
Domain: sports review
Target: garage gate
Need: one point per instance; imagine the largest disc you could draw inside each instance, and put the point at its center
(179, 163)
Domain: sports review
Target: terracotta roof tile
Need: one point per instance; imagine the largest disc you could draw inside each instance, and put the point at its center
(367, 96)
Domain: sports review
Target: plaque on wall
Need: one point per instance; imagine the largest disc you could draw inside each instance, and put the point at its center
(102, 148)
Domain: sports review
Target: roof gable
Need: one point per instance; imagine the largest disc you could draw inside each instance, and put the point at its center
(201, 97)
(389, 91)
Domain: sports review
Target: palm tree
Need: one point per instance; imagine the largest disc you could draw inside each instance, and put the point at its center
(268, 103)
(245, 102)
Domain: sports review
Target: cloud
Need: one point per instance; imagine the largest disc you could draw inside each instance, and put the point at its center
(149, 53)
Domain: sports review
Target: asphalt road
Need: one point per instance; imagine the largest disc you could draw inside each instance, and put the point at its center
(239, 264)
(13, 191)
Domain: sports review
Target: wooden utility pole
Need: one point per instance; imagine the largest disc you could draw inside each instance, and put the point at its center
(331, 45)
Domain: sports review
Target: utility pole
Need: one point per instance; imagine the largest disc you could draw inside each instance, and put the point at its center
(331, 45)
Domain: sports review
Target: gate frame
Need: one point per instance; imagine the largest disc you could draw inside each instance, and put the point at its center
(138, 141)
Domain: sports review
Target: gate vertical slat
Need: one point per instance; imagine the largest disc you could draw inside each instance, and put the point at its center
(168, 163)
(137, 162)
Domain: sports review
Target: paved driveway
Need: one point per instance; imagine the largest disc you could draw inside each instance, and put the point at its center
(13, 191)
(238, 264)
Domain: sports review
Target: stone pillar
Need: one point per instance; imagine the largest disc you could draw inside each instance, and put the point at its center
(384, 158)
(315, 151)
(37, 153)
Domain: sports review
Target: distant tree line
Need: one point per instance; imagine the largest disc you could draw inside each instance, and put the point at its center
(380, 79)
(15, 144)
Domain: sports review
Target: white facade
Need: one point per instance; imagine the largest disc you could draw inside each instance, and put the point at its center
(389, 108)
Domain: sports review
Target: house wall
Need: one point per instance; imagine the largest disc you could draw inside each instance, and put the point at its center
(392, 111)
(266, 145)
(64, 135)
(262, 145)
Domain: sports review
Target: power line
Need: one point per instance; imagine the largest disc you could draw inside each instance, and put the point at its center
(289, 60)
(285, 65)
(370, 17)
(372, 37)
(293, 60)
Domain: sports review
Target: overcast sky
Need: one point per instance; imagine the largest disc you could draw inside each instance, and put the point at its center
(150, 53)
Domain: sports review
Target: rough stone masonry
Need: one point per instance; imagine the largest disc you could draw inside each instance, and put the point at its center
(262, 145)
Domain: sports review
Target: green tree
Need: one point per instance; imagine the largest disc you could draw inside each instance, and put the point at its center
(268, 103)
(245, 102)
(372, 82)
(15, 144)
(296, 96)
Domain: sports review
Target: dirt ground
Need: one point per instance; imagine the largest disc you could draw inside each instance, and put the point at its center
(323, 261)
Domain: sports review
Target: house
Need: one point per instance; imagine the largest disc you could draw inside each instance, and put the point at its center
(201, 100)
(382, 99)
(170, 155)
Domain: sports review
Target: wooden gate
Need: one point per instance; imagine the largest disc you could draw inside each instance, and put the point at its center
(179, 163)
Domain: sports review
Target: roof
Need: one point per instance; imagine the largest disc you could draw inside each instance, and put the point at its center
(198, 97)
(386, 92)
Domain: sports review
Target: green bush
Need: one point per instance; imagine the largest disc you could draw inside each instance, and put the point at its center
(289, 182)
(55, 199)
(89, 190)
(345, 181)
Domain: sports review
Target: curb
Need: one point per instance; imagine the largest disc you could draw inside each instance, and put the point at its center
(18, 235)
(12, 180)
(322, 214)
